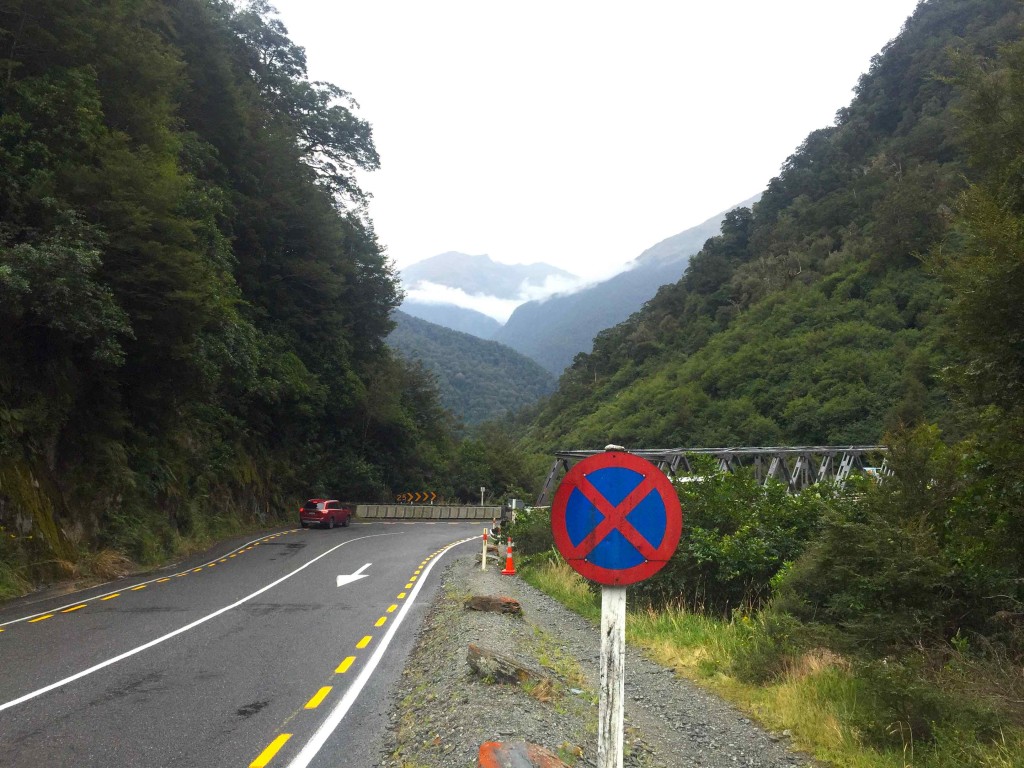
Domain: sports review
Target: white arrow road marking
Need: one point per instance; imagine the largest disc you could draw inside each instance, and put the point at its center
(343, 580)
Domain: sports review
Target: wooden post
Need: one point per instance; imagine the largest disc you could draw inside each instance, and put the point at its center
(613, 675)
(483, 559)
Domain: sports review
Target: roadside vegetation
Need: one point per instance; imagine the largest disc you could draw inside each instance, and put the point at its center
(869, 641)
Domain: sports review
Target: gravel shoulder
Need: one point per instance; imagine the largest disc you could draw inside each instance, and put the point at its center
(442, 712)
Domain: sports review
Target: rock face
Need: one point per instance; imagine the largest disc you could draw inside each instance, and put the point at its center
(498, 667)
(516, 754)
(494, 604)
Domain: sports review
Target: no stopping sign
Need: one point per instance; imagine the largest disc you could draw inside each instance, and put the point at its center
(616, 518)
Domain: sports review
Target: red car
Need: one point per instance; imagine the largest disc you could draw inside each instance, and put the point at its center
(325, 512)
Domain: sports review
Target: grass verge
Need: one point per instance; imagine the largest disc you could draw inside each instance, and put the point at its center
(876, 714)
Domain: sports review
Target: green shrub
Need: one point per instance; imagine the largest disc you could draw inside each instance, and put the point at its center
(882, 583)
(898, 703)
(918, 558)
(531, 532)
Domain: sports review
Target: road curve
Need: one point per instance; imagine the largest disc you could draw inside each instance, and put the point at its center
(257, 654)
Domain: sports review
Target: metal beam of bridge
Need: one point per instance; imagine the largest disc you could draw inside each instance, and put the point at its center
(797, 467)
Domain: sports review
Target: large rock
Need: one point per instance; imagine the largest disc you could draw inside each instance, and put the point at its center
(496, 666)
(494, 604)
(516, 754)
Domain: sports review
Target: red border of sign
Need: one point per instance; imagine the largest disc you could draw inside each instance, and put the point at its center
(654, 477)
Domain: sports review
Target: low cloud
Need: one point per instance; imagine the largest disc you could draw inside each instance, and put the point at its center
(565, 285)
(426, 292)
(434, 293)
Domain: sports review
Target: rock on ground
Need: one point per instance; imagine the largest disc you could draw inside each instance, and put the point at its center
(443, 713)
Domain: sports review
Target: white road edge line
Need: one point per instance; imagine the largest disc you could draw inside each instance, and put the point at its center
(180, 630)
(234, 551)
(318, 739)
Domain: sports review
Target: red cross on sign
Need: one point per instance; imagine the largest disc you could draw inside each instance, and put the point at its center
(616, 518)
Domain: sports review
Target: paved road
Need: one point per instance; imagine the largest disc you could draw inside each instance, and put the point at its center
(251, 655)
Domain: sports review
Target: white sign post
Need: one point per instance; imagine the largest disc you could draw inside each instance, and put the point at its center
(611, 710)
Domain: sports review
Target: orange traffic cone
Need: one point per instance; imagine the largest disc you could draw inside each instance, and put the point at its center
(510, 569)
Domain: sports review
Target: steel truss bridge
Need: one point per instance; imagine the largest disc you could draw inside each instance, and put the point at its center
(797, 467)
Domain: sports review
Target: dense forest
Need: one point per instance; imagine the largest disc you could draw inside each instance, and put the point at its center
(193, 303)
(478, 380)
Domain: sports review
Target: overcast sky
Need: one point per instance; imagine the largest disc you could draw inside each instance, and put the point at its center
(581, 133)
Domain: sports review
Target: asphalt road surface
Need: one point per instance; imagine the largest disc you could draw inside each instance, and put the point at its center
(253, 655)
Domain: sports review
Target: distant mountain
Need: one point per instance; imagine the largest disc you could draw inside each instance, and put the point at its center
(555, 330)
(480, 275)
(451, 316)
(478, 380)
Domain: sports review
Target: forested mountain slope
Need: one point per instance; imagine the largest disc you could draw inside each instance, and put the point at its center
(193, 305)
(451, 316)
(810, 318)
(478, 380)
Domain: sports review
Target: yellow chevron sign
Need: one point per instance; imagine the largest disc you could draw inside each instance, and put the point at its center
(416, 497)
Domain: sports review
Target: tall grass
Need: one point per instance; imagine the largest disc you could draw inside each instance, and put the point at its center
(838, 710)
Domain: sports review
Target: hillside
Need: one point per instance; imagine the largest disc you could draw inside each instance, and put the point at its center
(453, 316)
(810, 318)
(555, 330)
(478, 380)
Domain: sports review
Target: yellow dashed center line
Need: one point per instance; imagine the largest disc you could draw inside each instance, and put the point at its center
(408, 586)
(391, 608)
(78, 607)
(272, 749)
(343, 667)
(230, 556)
(197, 570)
(413, 578)
(381, 621)
(364, 642)
(401, 595)
(40, 618)
(161, 581)
(319, 697)
(111, 597)
(140, 586)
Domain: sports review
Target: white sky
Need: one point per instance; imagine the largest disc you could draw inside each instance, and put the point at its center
(581, 133)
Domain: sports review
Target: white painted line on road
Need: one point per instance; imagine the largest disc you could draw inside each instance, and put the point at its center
(180, 630)
(105, 594)
(317, 741)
